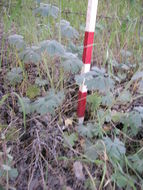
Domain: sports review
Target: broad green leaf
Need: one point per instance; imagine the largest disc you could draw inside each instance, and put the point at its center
(47, 10)
(15, 75)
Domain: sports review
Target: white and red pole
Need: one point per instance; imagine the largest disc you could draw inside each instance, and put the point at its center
(87, 54)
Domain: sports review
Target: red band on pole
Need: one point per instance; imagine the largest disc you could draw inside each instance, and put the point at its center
(88, 46)
(81, 103)
(87, 54)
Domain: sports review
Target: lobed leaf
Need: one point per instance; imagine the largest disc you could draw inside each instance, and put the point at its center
(41, 82)
(94, 100)
(123, 181)
(115, 149)
(30, 55)
(47, 10)
(90, 130)
(136, 162)
(70, 139)
(72, 63)
(125, 97)
(53, 48)
(27, 105)
(49, 103)
(17, 41)
(107, 100)
(139, 109)
(67, 30)
(134, 121)
(15, 75)
(13, 173)
(92, 151)
(96, 79)
(75, 49)
(87, 131)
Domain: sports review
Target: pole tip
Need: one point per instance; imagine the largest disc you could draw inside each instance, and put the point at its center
(81, 120)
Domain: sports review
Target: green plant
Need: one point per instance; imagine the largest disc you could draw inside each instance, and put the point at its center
(7, 171)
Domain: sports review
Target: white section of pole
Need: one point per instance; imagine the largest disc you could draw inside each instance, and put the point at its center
(85, 68)
(91, 15)
(81, 120)
(83, 88)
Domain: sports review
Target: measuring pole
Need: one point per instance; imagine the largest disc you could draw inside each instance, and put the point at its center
(87, 54)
